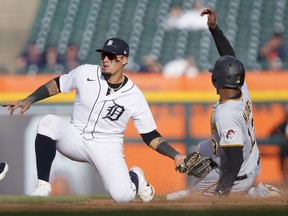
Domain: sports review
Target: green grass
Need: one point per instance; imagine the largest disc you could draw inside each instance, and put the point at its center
(10, 199)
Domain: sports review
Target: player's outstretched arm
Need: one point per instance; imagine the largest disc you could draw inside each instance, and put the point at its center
(222, 44)
(48, 89)
(155, 141)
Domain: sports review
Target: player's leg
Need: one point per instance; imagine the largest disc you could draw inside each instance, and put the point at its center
(108, 159)
(52, 133)
(246, 179)
(204, 185)
(207, 184)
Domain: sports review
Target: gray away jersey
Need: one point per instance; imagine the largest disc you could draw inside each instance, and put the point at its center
(232, 125)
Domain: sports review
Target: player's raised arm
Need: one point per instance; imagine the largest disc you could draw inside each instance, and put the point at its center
(222, 44)
(48, 89)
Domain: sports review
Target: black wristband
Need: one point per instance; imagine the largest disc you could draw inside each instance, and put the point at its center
(41, 93)
(167, 150)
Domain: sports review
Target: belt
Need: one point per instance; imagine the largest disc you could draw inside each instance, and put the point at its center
(239, 178)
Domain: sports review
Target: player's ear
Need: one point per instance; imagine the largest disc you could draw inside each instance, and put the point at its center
(125, 60)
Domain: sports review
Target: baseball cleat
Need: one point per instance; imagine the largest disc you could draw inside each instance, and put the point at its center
(43, 189)
(3, 169)
(264, 190)
(146, 191)
(273, 191)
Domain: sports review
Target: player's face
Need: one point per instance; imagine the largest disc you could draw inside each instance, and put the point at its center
(112, 64)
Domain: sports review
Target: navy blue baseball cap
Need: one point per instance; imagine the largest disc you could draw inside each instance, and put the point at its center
(115, 46)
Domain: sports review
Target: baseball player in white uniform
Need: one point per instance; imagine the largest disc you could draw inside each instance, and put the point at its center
(232, 147)
(105, 101)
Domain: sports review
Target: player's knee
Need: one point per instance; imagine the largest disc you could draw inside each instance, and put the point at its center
(48, 126)
(122, 196)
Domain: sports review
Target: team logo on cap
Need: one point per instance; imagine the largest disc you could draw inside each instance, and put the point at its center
(230, 134)
(110, 42)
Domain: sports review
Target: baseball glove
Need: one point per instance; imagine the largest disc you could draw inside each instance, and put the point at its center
(196, 165)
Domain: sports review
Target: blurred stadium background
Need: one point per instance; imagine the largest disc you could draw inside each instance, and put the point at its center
(87, 23)
(247, 24)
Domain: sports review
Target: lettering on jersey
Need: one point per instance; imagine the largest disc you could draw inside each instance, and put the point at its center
(246, 114)
(230, 134)
(114, 112)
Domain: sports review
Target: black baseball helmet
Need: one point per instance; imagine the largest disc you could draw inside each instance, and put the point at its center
(228, 72)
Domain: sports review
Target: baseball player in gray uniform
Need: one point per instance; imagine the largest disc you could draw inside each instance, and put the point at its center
(232, 147)
(105, 101)
(3, 169)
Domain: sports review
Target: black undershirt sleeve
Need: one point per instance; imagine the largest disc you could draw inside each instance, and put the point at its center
(163, 148)
(230, 170)
(148, 137)
(222, 44)
(57, 81)
(42, 92)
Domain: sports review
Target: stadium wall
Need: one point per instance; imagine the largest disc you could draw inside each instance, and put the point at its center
(181, 107)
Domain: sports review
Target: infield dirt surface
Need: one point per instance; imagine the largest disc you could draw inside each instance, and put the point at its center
(192, 205)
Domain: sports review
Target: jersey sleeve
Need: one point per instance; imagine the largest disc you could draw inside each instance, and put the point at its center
(222, 43)
(68, 81)
(230, 133)
(143, 119)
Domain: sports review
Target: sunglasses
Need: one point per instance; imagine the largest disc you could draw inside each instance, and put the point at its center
(110, 56)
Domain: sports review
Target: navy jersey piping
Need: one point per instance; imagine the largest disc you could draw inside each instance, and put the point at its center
(98, 119)
(98, 79)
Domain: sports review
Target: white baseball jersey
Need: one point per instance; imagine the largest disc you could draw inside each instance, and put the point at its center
(95, 134)
(96, 114)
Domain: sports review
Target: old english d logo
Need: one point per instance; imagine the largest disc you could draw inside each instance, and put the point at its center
(114, 112)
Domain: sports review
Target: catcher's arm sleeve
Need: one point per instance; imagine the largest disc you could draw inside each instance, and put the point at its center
(156, 142)
(230, 170)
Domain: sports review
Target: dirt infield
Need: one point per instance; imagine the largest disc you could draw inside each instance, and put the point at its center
(15, 205)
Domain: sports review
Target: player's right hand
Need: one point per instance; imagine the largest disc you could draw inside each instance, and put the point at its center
(24, 105)
(211, 21)
(179, 159)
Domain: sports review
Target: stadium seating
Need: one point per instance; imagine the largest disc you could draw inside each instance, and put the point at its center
(88, 23)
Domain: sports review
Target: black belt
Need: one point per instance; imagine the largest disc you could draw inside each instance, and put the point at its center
(239, 178)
